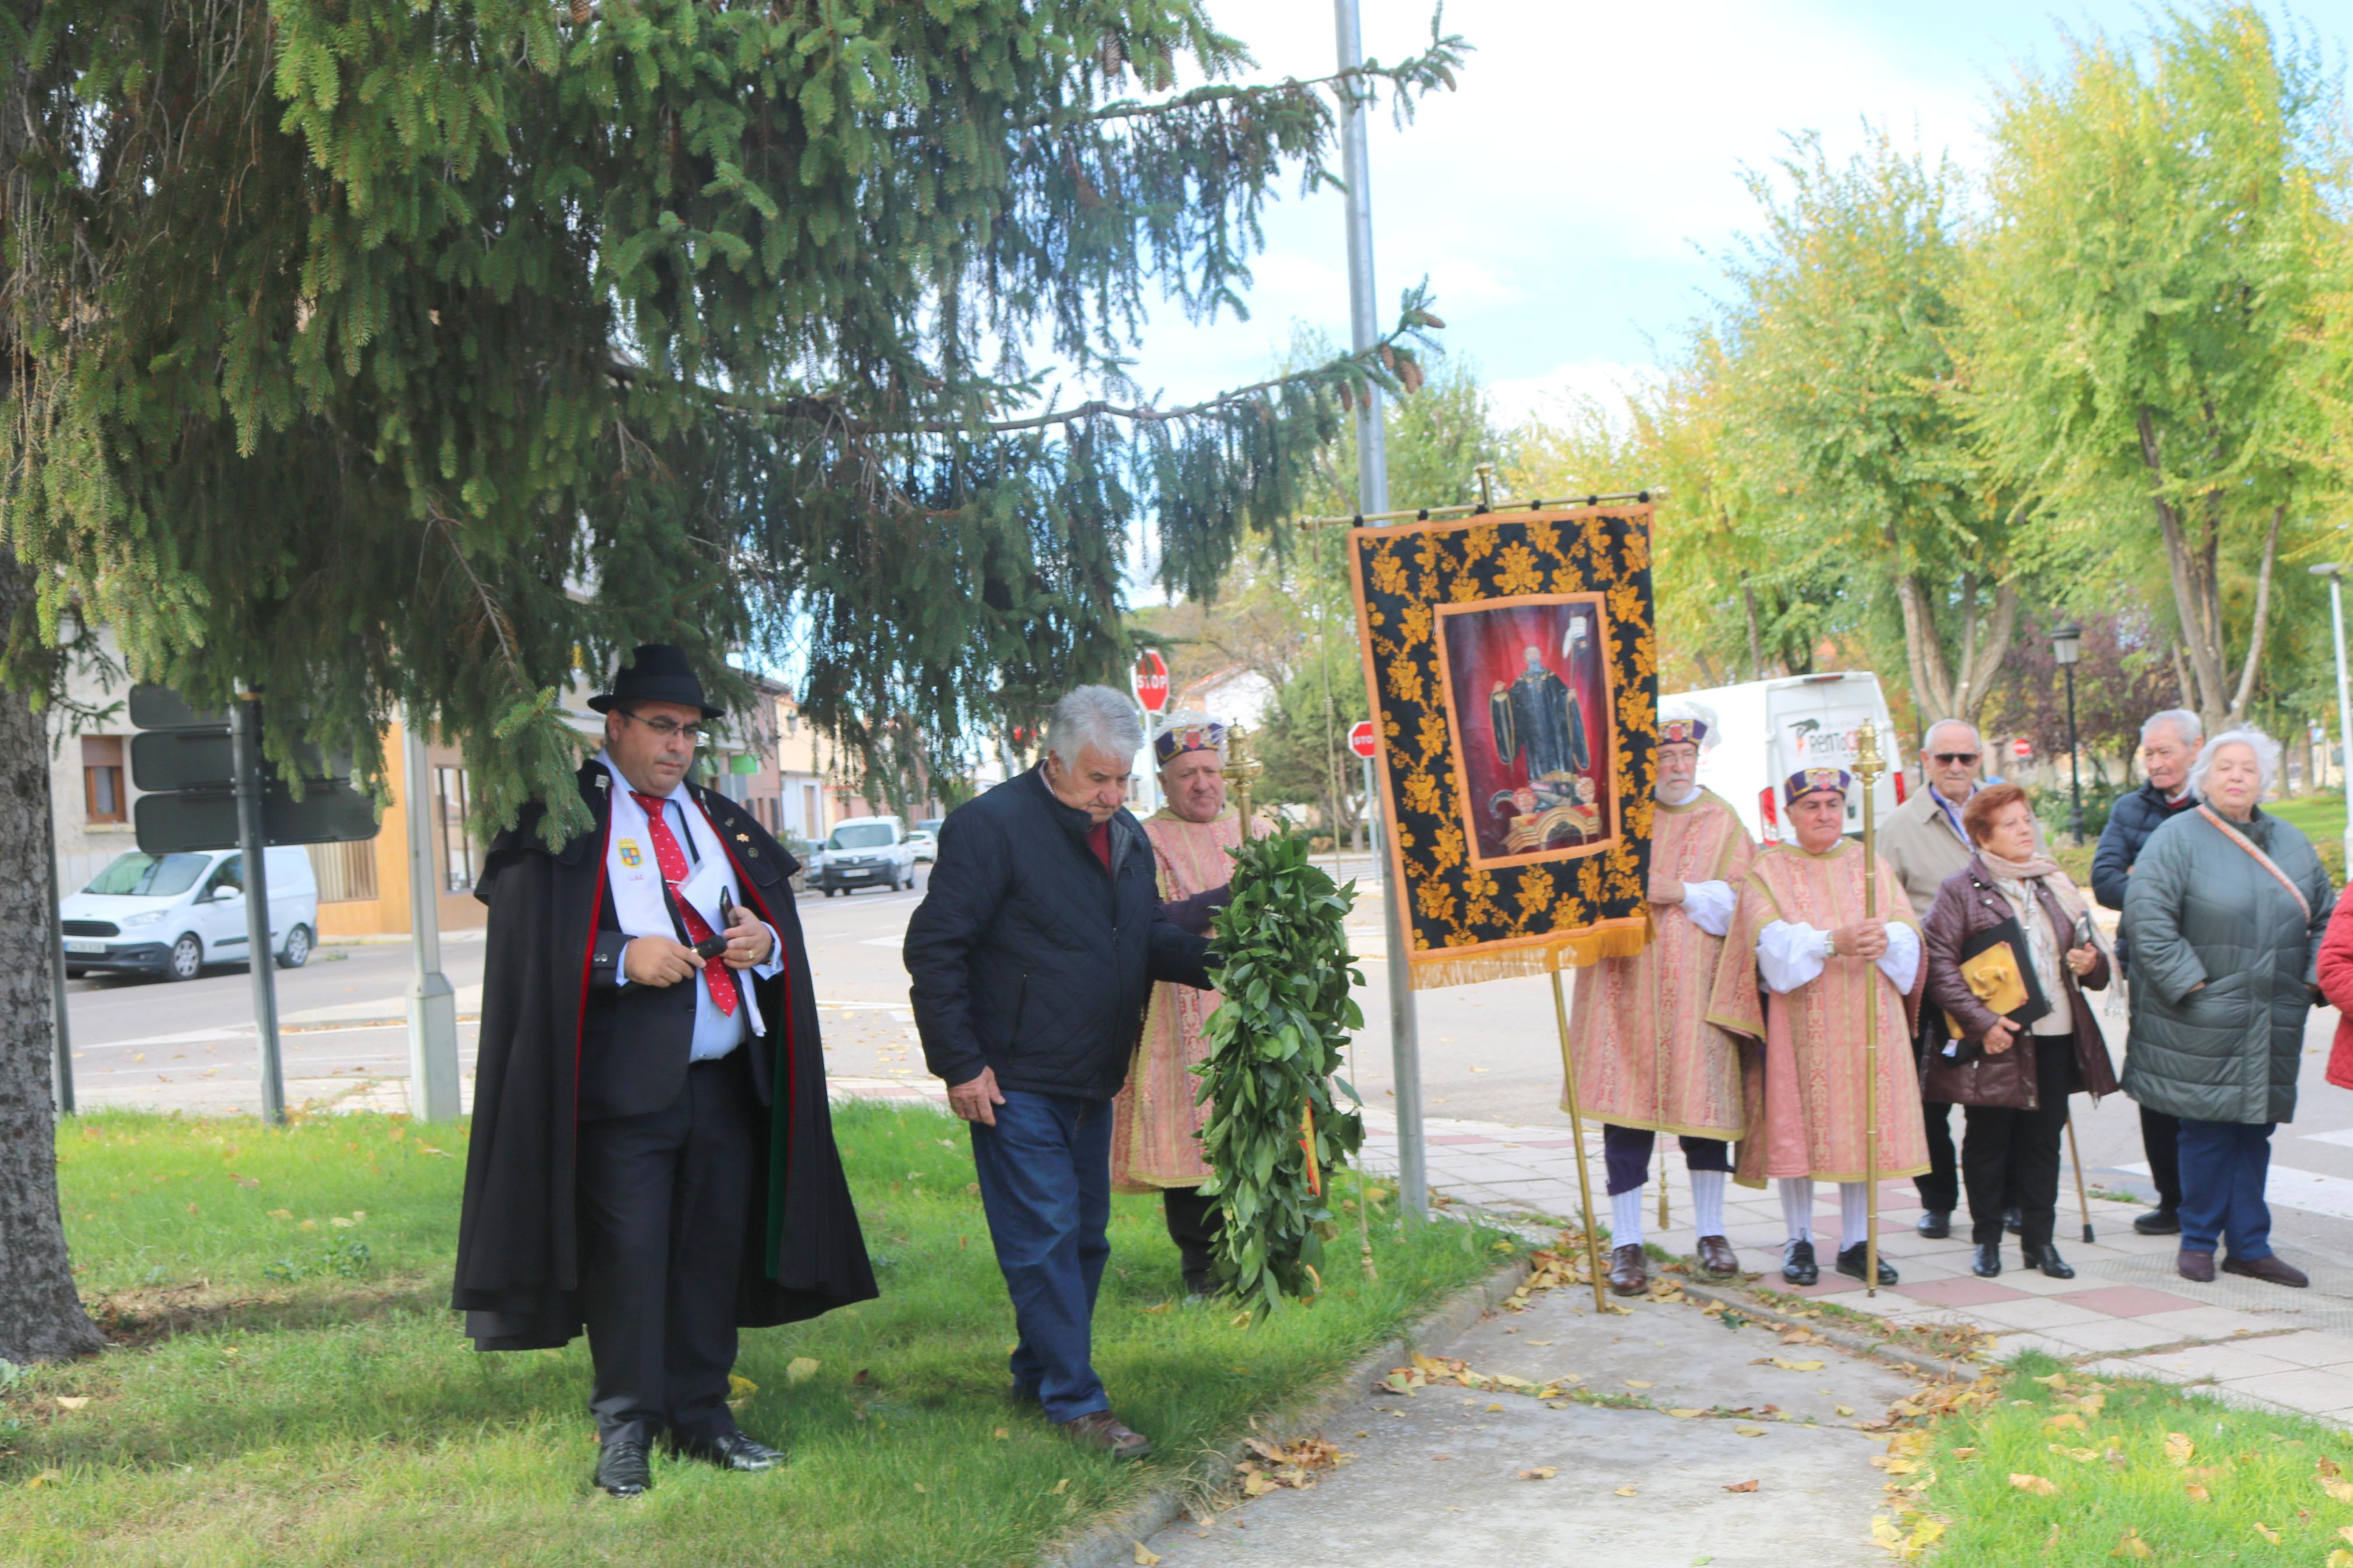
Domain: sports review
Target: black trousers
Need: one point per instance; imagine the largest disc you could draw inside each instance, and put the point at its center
(2161, 1139)
(665, 1198)
(2010, 1158)
(1193, 1227)
(1940, 1188)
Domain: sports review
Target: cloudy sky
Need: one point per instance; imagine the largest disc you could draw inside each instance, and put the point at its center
(1567, 203)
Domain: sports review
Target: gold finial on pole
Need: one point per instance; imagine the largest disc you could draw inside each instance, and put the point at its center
(1868, 765)
(1485, 474)
(1241, 768)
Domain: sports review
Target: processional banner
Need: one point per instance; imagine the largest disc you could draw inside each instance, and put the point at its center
(1512, 660)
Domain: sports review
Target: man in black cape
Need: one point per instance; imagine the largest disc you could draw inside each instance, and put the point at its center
(653, 1156)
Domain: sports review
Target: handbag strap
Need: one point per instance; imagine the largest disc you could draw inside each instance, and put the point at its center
(2266, 861)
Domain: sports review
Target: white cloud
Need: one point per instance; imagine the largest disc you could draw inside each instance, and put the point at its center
(1608, 383)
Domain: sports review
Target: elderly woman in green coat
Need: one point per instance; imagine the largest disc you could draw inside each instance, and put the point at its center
(2224, 917)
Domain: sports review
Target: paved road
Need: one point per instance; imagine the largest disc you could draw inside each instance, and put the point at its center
(1489, 1052)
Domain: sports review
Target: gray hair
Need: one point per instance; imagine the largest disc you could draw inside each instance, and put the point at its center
(1094, 716)
(2186, 727)
(2267, 759)
(1928, 736)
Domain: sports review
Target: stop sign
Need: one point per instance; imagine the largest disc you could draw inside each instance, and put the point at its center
(1152, 681)
(1360, 738)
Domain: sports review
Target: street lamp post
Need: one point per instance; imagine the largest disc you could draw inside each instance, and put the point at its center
(2067, 647)
(2335, 571)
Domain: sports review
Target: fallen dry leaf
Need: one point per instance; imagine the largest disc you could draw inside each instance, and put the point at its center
(2178, 1447)
(2067, 1422)
(2039, 1486)
(1058, 1487)
(1846, 1410)
(47, 1479)
(72, 1401)
(2341, 1490)
(1638, 1383)
(1685, 1413)
(801, 1368)
(1144, 1556)
(2340, 1558)
(1540, 1473)
(1001, 1435)
(1788, 1365)
(1965, 1453)
(1741, 1487)
(1627, 1491)
(2081, 1455)
(2130, 1544)
(2267, 1532)
(1749, 1431)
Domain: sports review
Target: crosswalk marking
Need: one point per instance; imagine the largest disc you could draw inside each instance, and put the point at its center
(2288, 1188)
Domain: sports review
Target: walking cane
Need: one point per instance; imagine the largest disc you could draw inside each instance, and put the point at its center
(1577, 1131)
(1867, 768)
(2083, 1201)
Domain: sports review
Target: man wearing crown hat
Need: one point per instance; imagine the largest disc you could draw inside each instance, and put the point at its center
(652, 1159)
(1797, 964)
(1648, 1060)
(1156, 1120)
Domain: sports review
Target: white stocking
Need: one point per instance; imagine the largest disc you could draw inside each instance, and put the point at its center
(1707, 1203)
(1854, 1214)
(1798, 1207)
(1626, 1218)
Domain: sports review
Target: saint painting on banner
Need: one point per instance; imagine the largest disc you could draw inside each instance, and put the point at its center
(1530, 697)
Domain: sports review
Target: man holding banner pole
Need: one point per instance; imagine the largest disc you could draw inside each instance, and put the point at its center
(1799, 964)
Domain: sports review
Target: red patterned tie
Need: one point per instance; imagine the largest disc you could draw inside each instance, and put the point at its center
(672, 861)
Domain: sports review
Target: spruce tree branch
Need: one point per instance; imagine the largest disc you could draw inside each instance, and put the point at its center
(1434, 67)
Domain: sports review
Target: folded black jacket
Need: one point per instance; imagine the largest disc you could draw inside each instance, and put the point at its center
(1027, 957)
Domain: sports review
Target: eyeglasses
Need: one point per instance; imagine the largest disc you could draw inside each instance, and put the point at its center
(695, 733)
(1951, 759)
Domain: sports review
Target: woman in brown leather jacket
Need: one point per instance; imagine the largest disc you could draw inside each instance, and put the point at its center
(2014, 1081)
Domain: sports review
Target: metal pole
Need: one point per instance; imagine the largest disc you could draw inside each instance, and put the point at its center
(62, 1084)
(1867, 769)
(261, 957)
(432, 1003)
(2074, 764)
(1373, 496)
(1577, 1135)
(2343, 700)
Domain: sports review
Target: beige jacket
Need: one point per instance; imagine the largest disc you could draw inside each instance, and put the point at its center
(1919, 840)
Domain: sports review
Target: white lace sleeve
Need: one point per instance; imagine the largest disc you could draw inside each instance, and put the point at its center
(1789, 955)
(1901, 962)
(1710, 906)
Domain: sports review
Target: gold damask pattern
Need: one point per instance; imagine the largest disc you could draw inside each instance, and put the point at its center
(1475, 915)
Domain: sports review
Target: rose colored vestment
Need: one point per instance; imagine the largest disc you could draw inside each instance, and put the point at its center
(1156, 1124)
(1814, 1036)
(1646, 1054)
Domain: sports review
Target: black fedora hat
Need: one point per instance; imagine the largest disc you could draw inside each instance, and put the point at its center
(657, 672)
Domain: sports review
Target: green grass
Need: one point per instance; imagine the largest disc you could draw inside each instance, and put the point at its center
(282, 1398)
(2320, 817)
(2255, 1469)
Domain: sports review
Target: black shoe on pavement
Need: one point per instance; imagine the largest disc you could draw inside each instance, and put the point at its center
(2046, 1258)
(1798, 1265)
(2270, 1267)
(734, 1452)
(1851, 1261)
(2011, 1223)
(1986, 1262)
(1933, 1226)
(2158, 1222)
(623, 1468)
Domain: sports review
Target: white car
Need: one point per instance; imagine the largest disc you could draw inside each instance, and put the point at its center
(864, 852)
(927, 845)
(173, 914)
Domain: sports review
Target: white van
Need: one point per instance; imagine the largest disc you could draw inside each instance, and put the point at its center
(1767, 730)
(173, 914)
(863, 852)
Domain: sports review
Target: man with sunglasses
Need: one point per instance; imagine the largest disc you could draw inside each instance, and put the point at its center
(652, 1159)
(1924, 840)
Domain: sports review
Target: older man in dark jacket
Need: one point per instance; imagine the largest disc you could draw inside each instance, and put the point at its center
(2169, 745)
(1032, 956)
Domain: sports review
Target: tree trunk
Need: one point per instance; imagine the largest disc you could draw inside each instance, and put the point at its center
(40, 1312)
(1756, 639)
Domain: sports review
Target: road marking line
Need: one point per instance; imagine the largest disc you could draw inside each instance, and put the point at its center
(2342, 1135)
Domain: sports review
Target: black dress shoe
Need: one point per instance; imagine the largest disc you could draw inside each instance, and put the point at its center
(734, 1452)
(1985, 1261)
(1851, 1261)
(2011, 1223)
(1797, 1266)
(2046, 1258)
(623, 1468)
(2158, 1222)
(1933, 1226)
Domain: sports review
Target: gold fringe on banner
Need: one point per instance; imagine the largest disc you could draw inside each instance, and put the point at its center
(1614, 939)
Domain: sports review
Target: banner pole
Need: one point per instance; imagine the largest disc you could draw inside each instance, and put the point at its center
(1577, 1131)
(1867, 768)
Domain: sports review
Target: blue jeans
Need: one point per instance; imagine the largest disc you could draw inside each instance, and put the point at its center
(2223, 1164)
(1045, 1183)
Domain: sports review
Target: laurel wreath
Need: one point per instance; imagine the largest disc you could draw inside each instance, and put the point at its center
(1274, 1137)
